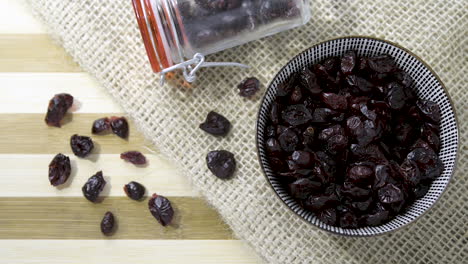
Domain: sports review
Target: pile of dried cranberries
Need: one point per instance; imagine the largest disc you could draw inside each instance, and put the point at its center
(351, 141)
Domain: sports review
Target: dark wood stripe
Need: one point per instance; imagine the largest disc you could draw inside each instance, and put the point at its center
(77, 218)
(28, 134)
(33, 53)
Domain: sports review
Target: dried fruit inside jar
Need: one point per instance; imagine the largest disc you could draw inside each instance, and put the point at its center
(350, 141)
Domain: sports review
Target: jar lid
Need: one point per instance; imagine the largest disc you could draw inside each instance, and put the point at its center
(151, 35)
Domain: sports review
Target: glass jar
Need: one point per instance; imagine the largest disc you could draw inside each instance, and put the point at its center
(178, 33)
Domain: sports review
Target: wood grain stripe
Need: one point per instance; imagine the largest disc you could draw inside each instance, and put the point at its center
(77, 218)
(28, 134)
(31, 92)
(33, 53)
(158, 176)
(126, 251)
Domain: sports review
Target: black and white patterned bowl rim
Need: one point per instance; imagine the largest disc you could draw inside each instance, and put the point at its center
(427, 86)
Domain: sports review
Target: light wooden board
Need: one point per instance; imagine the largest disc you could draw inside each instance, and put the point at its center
(43, 224)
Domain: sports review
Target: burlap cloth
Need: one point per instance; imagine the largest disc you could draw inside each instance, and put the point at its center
(103, 37)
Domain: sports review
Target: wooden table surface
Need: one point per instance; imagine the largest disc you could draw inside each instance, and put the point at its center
(43, 224)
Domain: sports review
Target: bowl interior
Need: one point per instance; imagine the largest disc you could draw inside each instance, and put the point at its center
(426, 85)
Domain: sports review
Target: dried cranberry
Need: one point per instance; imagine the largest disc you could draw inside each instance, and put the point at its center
(335, 101)
(337, 144)
(107, 224)
(302, 188)
(430, 110)
(219, 5)
(421, 190)
(348, 220)
(321, 202)
(288, 140)
(249, 87)
(296, 95)
(134, 157)
(390, 194)
(296, 115)
(59, 169)
(101, 125)
(309, 81)
(331, 131)
(81, 145)
(382, 64)
(352, 144)
(410, 172)
(221, 163)
(328, 216)
(428, 163)
(134, 190)
(161, 208)
(359, 174)
(376, 218)
(348, 62)
(273, 147)
(216, 124)
(302, 158)
(93, 187)
(58, 107)
(119, 126)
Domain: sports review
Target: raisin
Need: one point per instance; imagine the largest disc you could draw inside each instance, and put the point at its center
(161, 208)
(119, 126)
(410, 172)
(296, 95)
(396, 96)
(348, 220)
(360, 83)
(107, 224)
(249, 87)
(59, 169)
(296, 115)
(93, 187)
(221, 163)
(134, 190)
(81, 145)
(308, 80)
(430, 136)
(58, 107)
(101, 125)
(421, 190)
(274, 113)
(337, 144)
(302, 188)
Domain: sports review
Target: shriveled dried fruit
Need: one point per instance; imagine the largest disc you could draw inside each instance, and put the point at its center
(249, 87)
(216, 124)
(59, 169)
(161, 208)
(107, 224)
(119, 126)
(58, 107)
(93, 187)
(296, 115)
(350, 141)
(219, 5)
(134, 157)
(101, 125)
(134, 190)
(81, 145)
(221, 163)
